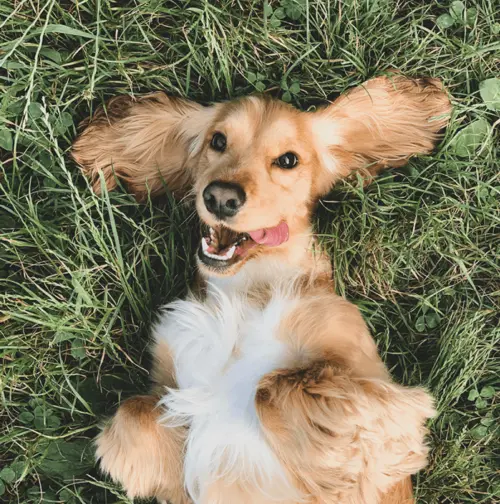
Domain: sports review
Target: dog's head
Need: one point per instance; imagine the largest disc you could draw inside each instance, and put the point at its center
(256, 166)
(258, 174)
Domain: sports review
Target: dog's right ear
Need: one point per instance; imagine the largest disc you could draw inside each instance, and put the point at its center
(148, 142)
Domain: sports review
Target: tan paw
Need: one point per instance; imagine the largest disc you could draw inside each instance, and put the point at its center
(143, 456)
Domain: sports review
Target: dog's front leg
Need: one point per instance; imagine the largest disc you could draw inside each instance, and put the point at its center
(142, 455)
(346, 439)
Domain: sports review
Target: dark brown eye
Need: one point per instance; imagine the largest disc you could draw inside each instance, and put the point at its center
(287, 161)
(218, 142)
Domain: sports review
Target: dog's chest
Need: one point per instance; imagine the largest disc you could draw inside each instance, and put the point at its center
(221, 349)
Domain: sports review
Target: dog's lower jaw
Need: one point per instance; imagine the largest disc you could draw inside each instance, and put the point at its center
(301, 255)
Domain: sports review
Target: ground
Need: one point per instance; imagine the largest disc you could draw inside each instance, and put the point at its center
(81, 276)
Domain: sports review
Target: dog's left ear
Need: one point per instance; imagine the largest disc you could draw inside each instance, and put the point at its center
(378, 125)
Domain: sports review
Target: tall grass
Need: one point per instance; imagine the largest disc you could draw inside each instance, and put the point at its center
(82, 276)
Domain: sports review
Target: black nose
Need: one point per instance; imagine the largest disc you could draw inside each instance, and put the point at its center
(224, 199)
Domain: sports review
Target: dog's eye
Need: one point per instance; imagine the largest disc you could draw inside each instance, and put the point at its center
(287, 161)
(218, 142)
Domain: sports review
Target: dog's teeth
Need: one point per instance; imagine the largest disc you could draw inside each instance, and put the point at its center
(226, 257)
(229, 254)
(204, 244)
(215, 256)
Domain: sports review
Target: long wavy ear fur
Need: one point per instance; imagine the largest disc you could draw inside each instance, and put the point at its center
(378, 125)
(148, 142)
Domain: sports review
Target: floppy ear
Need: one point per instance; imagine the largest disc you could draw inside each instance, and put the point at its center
(345, 438)
(379, 124)
(149, 142)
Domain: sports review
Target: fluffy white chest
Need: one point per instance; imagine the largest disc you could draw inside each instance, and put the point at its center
(221, 349)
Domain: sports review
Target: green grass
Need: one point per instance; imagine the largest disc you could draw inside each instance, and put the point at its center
(81, 276)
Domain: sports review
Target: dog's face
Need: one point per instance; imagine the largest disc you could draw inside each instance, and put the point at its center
(256, 181)
(257, 166)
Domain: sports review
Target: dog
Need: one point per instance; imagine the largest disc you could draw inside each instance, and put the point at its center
(267, 386)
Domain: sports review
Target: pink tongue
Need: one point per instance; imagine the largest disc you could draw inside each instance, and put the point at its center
(271, 236)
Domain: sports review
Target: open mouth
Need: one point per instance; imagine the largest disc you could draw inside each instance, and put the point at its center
(222, 247)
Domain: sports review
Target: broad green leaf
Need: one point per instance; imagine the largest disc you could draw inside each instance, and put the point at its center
(487, 392)
(489, 90)
(295, 88)
(49, 497)
(34, 402)
(35, 110)
(39, 412)
(279, 13)
(2, 488)
(432, 320)
(473, 395)
(7, 475)
(18, 467)
(470, 16)
(33, 492)
(479, 432)
(6, 139)
(66, 495)
(15, 108)
(487, 421)
(53, 422)
(78, 349)
(260, 86)
(63, 336)
(294, 10)
(26, 417)
(445, 21)
(287, 97)
(275, 22)
(40, 423)
(468, 140)
(268, 10)
(481, 403)
(45, 159)
(66, 459)
(67, 119)
(251, 77)
(456, 10)
(420, 324)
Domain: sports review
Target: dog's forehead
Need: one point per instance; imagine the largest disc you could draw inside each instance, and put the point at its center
(256, 120)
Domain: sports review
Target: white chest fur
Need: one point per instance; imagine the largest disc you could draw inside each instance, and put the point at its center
(222, 348)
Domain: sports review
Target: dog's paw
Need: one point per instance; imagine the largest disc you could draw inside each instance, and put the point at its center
(279, 385)
(141, 455)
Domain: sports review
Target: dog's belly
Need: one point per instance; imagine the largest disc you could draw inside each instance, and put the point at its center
(221, 350)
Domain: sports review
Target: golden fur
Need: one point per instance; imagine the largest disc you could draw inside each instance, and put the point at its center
(343, 431)
(136, 450)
